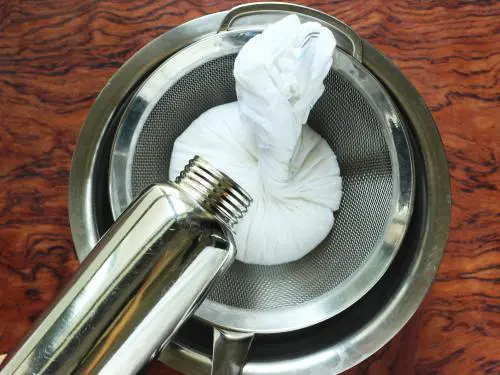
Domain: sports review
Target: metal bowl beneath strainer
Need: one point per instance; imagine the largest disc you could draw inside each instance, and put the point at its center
(369, 323)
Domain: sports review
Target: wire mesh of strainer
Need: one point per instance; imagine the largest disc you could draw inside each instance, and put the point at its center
(355, 116)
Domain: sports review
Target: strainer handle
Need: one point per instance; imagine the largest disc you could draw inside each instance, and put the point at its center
(230, 351)
(346, 38)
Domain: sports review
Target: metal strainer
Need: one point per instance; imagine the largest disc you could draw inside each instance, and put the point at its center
(357, 118)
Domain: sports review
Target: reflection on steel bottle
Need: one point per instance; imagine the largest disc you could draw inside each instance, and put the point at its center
(159, 259)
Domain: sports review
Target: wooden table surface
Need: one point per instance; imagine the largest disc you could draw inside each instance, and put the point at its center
(55, 57)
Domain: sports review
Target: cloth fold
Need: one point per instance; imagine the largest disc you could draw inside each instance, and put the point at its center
(262, 141)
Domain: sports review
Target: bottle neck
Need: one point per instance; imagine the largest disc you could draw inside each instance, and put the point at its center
(213, 190)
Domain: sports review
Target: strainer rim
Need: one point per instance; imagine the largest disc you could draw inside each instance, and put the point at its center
(342, 296)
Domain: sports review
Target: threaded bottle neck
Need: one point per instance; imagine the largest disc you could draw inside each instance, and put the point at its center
(215, 191)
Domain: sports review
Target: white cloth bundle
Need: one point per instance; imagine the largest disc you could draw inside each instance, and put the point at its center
(262, 141)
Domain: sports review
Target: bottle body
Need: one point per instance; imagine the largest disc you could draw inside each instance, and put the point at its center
(160, 257)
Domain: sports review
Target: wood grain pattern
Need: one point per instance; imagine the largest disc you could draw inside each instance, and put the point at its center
(56, 56)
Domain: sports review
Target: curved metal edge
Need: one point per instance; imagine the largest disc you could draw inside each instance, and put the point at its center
(351, 290)
(360, 282)
(391, 320)
(346, 354)
(186, 360)
(138, 109)
(106, 105)
(356, 46)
